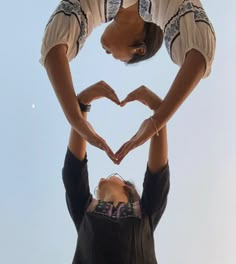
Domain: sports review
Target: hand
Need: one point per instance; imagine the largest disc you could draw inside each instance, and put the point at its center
(96, 91)
(145, 96)
(147, 129)
(87, 132)
(93, 92)
(145, 132)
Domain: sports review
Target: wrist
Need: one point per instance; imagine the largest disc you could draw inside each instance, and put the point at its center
(153, 121)
(156, 105)
(82, 98)
(84, 104)
(155, 110)
(84, 107)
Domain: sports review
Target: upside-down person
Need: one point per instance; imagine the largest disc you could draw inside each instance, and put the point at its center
(135, 33)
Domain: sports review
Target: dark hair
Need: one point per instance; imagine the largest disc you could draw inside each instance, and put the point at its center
(153, 39)
(131, 192)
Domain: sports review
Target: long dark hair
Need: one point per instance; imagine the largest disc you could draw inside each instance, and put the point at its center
(131, 192)
(153, 40)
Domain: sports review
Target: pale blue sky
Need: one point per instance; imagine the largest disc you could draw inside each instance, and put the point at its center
(199, 223)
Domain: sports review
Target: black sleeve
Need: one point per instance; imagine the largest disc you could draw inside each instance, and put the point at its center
(75, 178)
(155, 190)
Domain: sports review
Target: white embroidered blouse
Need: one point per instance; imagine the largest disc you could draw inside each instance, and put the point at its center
(184, 23)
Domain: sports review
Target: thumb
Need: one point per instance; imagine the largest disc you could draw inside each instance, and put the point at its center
(103, 146)
(128, 99)
(114, 98)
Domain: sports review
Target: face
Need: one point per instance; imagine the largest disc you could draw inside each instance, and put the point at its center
(110, 185)
(119, 42)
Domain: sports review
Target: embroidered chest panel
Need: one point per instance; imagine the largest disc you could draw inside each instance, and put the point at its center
(73, 8)
(145, 8)
(111, 8)
(172, 28)
(122, 210)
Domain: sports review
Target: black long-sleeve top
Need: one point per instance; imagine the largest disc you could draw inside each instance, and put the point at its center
(114, 235)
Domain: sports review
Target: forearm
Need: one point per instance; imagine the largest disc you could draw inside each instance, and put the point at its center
(186, 80)
(158, 150)
(58, 71)
(77, 144)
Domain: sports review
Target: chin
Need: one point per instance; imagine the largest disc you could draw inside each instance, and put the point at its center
(100, 194)
(103, 40)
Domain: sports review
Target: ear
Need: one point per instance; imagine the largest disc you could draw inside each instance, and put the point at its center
(140, 50)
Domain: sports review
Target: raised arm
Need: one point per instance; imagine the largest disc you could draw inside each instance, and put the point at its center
(75, 173)
(75, 176)
(77, 144)
(158, 145)
(156, 181)
(158, 151)
(189, 75)
(58, 70)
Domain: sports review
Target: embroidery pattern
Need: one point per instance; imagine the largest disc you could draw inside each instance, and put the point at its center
(74, 8)
(111, 9)
(145, 10)
(123, 210)
(172, 31)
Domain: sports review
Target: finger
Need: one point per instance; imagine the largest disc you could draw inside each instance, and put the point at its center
(124, 150)
(113, 97)
(103, 145)
(123, 103)
(126, 143)
(129, 98)
(110, 93)
(133, 96)
(121, 156)
(121, 148)
(119, 160)
(111, 155)
(108, 151)
(119, 151)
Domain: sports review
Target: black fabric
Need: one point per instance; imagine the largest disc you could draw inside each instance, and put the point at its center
(107, 240)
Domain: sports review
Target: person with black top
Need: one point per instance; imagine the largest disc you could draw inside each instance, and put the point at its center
(117, 226)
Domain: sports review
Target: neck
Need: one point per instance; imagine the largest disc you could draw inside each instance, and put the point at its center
(129, 15)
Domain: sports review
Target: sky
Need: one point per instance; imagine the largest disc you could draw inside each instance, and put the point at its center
(198, 225)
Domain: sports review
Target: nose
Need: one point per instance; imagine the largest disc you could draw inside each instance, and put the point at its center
(116, 57)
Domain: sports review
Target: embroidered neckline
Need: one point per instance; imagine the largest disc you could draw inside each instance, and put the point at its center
(122, 210)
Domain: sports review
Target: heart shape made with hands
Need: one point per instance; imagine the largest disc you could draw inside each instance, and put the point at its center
(113, 121)
(146, 130)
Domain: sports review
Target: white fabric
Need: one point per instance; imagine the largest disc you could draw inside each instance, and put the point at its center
(65, 29)
(185, 25)
(188, 28)
(62, 30)
(194, 36)
(128, 3)
(163, 10)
